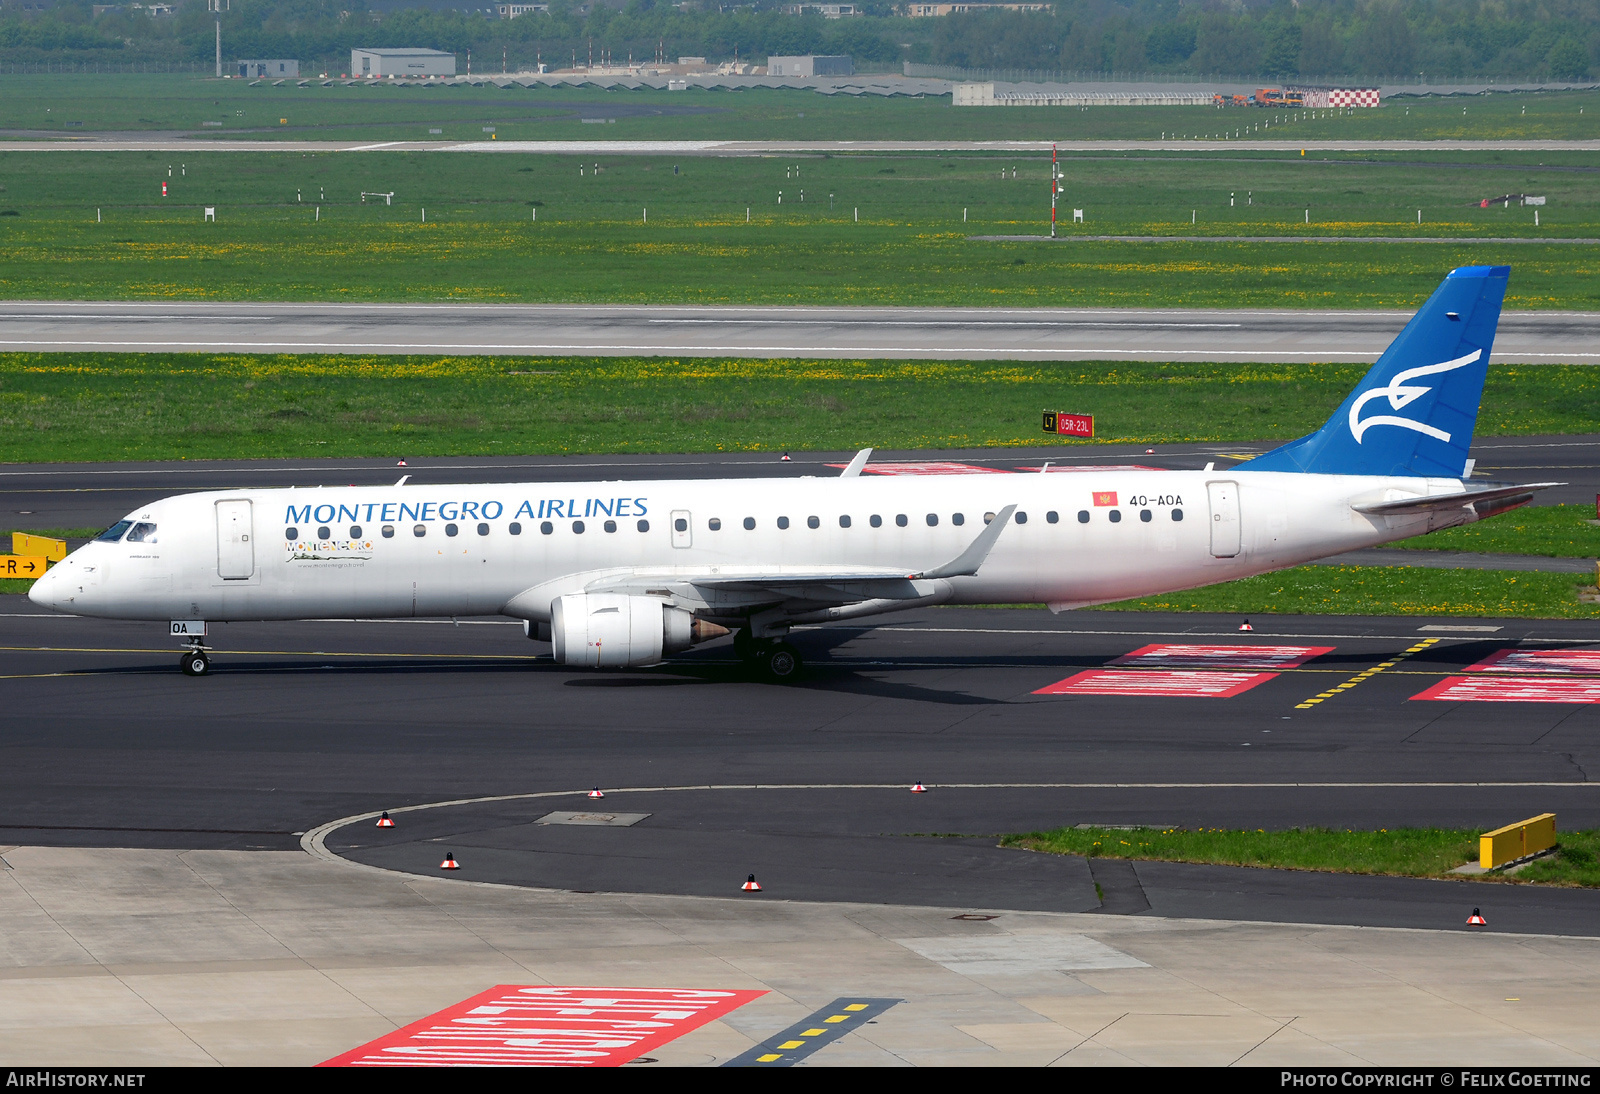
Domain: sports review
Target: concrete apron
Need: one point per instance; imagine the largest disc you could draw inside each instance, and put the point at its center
(154, 957)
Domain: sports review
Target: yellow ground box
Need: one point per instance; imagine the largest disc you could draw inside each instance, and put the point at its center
(23, 566)
(24, 544)
(1516, 841)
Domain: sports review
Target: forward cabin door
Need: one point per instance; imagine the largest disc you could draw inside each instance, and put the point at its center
(236, 550)
(1224, 518)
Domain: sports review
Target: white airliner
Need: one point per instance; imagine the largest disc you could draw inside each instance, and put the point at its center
(624, 573)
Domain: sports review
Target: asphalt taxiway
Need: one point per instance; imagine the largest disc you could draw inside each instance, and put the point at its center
(613, 330)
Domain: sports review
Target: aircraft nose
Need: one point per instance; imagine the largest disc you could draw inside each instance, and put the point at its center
(46, 590)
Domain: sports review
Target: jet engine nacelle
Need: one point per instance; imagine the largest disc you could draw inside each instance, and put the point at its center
(613, 630)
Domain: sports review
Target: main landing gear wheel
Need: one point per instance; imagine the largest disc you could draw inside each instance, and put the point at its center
(780, 662)
(195, 663)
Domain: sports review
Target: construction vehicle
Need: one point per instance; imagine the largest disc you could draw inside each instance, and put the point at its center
(1268, 96)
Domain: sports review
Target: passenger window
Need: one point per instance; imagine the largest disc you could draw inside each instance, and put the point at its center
(958, 519)
(143, 533)
(988, 518)
(1177, 514)
(451, 529)
(515, 527)
(483, 529)
(644, 526)
(577, 527)
(611, 526)
(545, 527)
(1144, 515)
(749, 524)
(844, 521)
(114, 533)
(419, 530)
(680, 525)
(388, 531)
(1116, 516)
(813, 522)
(322, 533)
(291, 533)
(355, 531)
(933, 520)
(1052, 517)
(900, 520)
(783, 522)
(875, 520)
(715, 524)
(1083, 516)
(1022, 518)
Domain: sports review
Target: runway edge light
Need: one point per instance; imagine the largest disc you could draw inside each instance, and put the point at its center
(1476, 919)
(385, 821)
(449, 862)
(751, 885)
(595, 794)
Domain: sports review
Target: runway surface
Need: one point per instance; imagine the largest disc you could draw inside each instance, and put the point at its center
(613, 330)
(104, 743)
(112, 142)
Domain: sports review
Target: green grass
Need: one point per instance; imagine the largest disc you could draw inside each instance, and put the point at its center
(1408, 852)
(160, 406)
(911, 246)
(1557, 531)
(377, 111)
(1384, 590)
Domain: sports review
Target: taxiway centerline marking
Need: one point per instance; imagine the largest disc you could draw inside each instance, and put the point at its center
(1362, 677)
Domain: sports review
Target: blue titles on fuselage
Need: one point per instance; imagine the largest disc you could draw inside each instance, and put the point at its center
(425, 511)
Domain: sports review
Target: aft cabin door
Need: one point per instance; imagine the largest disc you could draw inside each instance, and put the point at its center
(236, 550)
(682, 528)
(1224, 518)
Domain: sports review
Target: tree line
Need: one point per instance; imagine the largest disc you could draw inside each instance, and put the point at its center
(1279, 38)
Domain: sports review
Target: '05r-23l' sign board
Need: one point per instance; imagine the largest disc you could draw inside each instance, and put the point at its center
(1069, 425)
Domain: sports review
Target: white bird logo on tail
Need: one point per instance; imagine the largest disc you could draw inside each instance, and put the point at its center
(1401, 394)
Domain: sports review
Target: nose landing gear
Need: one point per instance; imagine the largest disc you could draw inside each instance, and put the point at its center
(194, 661)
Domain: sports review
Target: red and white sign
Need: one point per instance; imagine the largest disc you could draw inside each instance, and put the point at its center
(514, 1026)
(1513, 689)
(1581, 660)
(1074, 425)
(1105, 497)
(1193, 685)
(1164, 656)
(930, 467)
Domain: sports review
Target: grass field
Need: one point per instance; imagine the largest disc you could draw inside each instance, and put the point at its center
(1557, 531)
(1409, 852)
(292, 227)
(381, 111)
(158, 406)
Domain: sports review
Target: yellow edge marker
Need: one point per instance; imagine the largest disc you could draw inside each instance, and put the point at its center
(1363, 677)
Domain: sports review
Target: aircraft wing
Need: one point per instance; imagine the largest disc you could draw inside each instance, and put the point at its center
(1439, 502)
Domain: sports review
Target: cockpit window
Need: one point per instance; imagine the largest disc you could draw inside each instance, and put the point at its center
(114, 533)
(143, 532)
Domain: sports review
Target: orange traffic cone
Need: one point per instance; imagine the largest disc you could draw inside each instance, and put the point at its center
(751, 885)
(1245, 626)
(384, 821)
(449, 862)
(919, 788)
(595, 794)
(1476, 919)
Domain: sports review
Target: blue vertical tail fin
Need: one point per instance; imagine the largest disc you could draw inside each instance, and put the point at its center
(1414, 411)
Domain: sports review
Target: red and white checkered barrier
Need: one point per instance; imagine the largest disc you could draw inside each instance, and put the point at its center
(1359, 96)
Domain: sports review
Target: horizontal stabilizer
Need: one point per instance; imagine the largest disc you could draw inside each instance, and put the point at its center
(1438, 502)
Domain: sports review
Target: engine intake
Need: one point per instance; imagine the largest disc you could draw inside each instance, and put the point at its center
(614, 630)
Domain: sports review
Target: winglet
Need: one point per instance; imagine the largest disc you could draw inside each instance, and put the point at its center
(967, 562)
(860, 461)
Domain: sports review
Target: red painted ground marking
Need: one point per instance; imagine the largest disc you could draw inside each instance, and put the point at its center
(1583, 659)
(1512, 689)
(1053, 469)
(513, 1026)
(1173, 656)
(1197, 685)
(930, 467)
